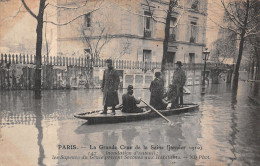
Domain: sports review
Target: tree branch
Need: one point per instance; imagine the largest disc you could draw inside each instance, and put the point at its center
(72, 19)
(231, 16)
(231, 29)
(28, 9)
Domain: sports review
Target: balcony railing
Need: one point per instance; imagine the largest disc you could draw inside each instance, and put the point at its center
(147, 33)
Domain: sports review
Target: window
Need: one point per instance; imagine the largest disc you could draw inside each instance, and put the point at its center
(173, 29)
(195, 5)
(147, 55)
(194, 32)
(170, 58)
(87, 20)
(191, 57)
(147, 24)
(147, 20)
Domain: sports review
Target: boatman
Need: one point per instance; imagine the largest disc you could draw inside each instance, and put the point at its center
(129, 101)
(179, 79)
(109, 87)
(157, 90)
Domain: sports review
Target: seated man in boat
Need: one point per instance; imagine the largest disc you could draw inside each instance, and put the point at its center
(129, 102)
(171, 94)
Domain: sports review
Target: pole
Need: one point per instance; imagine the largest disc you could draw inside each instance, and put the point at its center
(204, 73)
(157, 112)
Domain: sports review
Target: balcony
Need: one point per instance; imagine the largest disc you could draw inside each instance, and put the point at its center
(192, 39)
(147, 33)
(172, 37)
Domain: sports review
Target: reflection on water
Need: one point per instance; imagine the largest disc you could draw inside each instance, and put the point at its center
(225, 127)
(38, 124)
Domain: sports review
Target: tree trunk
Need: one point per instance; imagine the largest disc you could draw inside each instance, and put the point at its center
(239, 58)
(166, 37)
(251, 70)
(241, 46)
(257, 71)
(39, 29)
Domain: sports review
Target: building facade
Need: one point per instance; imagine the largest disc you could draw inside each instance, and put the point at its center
(132, 30)
(124, 30)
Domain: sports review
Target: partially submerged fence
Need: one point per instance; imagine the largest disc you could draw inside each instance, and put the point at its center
(17, 70)
(85, 62)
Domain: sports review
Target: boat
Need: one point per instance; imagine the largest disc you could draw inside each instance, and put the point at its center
(95, 117)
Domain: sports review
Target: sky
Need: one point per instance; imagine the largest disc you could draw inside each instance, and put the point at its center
(215, 14)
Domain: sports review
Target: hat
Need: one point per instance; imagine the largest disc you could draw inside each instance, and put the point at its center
(179, 63)
(130, 87)
(109, 61)
(157, 74)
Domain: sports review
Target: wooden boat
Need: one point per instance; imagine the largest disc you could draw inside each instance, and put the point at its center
(96, 116)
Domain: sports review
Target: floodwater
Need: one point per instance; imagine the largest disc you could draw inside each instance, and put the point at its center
(223, 131)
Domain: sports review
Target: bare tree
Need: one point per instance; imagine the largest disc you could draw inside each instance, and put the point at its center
(224, 48)
(241, 19)
(39, 28)
(39, 32)
(167, 21)
(95, 41)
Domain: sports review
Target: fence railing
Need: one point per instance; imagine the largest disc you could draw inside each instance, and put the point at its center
(85, 62)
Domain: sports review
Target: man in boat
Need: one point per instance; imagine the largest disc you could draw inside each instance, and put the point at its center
(157, 90)
(109, 87)
(179, 79)
(129, 101)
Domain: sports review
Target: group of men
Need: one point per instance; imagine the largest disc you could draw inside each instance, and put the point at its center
(174, 95)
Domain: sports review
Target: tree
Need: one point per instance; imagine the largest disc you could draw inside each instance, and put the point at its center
(167, 21)
(39, 28)
(241, 18)
(96, 33)
(224, 48)
(39, 37)
(254, 41)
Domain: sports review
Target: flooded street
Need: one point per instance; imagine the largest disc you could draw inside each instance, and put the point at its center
(223, 131)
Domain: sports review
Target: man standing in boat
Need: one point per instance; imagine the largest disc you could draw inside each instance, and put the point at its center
(109, 87)
(179, 79)
(157, 90)
(129, 101)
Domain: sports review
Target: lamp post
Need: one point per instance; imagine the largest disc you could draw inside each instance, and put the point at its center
(206, 57)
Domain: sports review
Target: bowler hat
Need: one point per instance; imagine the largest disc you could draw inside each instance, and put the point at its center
(109, 61)
(130, 87)
(179, 63)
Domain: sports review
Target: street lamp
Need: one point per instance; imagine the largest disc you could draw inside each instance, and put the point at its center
(206, 57)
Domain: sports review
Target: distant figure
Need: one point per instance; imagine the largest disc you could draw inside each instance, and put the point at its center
(179, 79)
(156, 88)
(109, 88)
(129, 102)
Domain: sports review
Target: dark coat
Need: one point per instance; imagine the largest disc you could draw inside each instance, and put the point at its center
(179, 79)
(156, 89)
(129, 104)
(110, 86)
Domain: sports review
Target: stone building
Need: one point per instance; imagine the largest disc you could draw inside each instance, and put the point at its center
(125, 30)
(129, 33)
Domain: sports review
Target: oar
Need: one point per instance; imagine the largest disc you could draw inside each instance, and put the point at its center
(170, 122)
